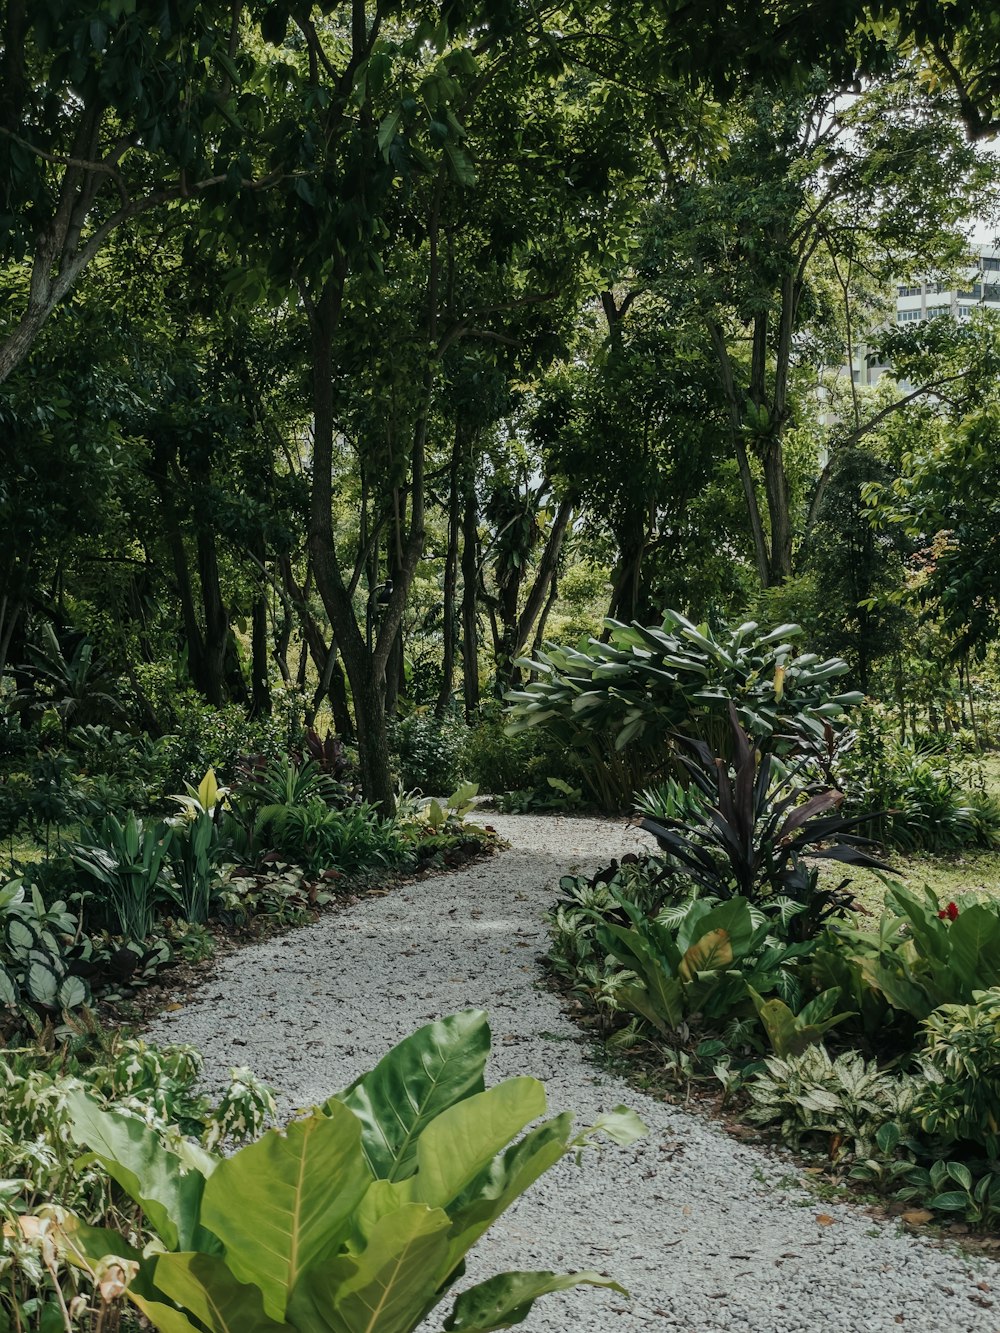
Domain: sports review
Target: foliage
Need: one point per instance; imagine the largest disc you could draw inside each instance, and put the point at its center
(844, 1100)
(129, 862)
(752, 829)
(699, 963)
(415, 1180)
(43, 961)
(959, 1101)
(617, 703)
(430, 752)
(352, 840)
(39, 1162)
(498, 762)
(77, 687)
(923, 803)
(197, 850)
(920, 956)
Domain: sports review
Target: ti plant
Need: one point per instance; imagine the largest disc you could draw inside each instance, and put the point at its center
(754, 830)
(354, 1219)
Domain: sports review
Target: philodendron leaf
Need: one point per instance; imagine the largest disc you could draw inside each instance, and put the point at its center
(154, 1177)
(388, 1287)
(506, 1300)
(505, 1180)
(203, 1286)
(284, 1203)
(435, 1067)
(462, 1141)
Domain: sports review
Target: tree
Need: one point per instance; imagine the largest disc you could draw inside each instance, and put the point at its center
(812, 185)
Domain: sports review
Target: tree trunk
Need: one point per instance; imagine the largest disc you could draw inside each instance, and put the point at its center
(450, 581)
(470, 586)
(260, 696)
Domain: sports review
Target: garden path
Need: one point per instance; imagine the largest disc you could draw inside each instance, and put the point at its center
(706, 1232)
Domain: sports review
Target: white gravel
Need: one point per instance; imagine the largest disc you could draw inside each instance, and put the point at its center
(705, 1232)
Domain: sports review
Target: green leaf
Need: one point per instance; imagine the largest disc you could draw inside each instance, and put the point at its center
(387, 1287)
(203, 1285)
(951, 1201)
(132, 1155)
(464, 1139)
(620, 1124)
(387, 130)
(434, 1068)
(505, 1300)
(283, 1203)
(506, 1179)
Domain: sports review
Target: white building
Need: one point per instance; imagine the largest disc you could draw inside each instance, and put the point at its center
(919, 300)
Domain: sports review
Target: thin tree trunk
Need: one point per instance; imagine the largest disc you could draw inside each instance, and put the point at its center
(450, 589)
(470, 586)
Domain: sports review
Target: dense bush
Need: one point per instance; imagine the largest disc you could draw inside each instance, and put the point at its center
(615, 705)
(918, 787)
(429, 751)
(40, 1164)
(908, 1098)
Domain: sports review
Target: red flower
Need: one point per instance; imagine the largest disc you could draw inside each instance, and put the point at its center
(949, 913)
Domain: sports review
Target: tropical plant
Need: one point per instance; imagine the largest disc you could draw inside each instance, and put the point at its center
(43, 960)
(78, 688)
(754, 826)
(616, 703)
(790, 1033)
(357, 1216)
(843, 1101)
(922, 955)
(197, 850)
(959, 1100)
(40, 1167)
(128, 860)
(318, 838)
(701, 961)
(919, 795)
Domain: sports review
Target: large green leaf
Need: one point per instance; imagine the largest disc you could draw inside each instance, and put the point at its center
(437, 1066)
(203, 1286)
(284, 1203)
(133, 1155)
(505, 1300)
(165, 1318)
(975, 943)
(385, 1289)
(504, 1181)
(463, 1140)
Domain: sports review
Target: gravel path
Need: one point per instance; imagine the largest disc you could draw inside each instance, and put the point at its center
(707, 1233)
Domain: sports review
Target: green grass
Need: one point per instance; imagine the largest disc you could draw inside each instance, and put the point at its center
(949, 875)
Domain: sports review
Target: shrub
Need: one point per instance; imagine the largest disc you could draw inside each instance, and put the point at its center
(498, 762)
(844, 1101)
(128, 861)
(959, 1101)
(616, 704)
(394, 1189)
(923, 802)
(40, 1166)
(354, 840)
(430, 752)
